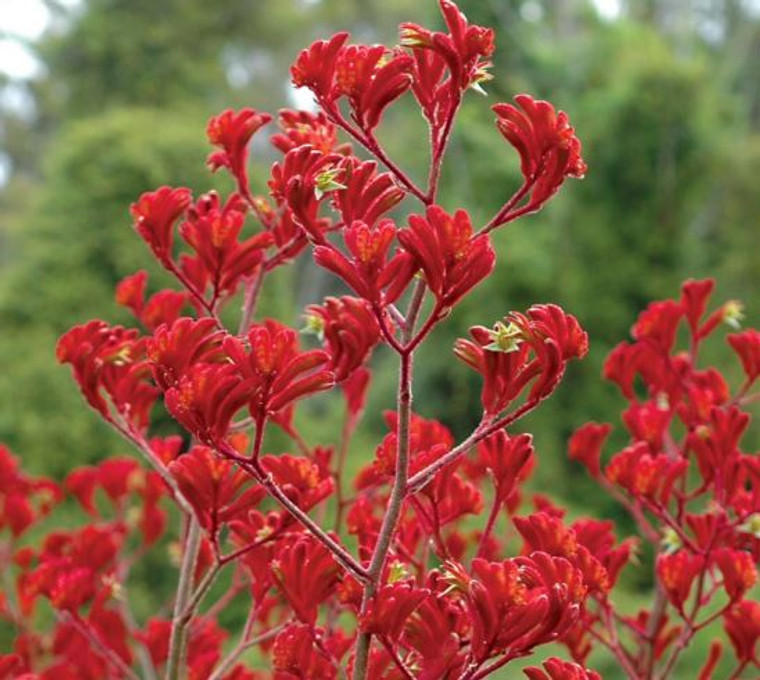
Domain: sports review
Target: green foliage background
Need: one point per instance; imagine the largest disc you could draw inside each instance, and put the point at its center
(665, 98)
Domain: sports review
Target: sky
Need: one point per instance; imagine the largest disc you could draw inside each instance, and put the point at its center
(27, 19)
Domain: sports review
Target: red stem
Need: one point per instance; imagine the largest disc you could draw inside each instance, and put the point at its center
(369, 142)
(483, 430)
(438, 148)
(393, 509)
(506, 214)
(492, 516)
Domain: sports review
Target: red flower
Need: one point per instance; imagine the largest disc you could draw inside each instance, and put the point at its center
(368, 271)
(677, 573)
(23, 499)
(557, 669)
(435, 630)
(464, 48)
(130, 292)
(586, 444)
(274, 371)
(350, 331)
(303, 127)
(155, 637)
(694, 297)
(111, 361)
(213, 231)
(507, 459)
(713, 657)
(738, 569)
(747, 347)
(716, 448)
(162, 308)
(307, 575)
(644, 475)
(155, 214)
(231, 131)
(206, 399)
(165, 307)
(297, 655)
(523, 349)
(305, 483)
(549, 150)
(71, 566)
(174, 349)
(118, 477)
(742, 624)
(598, 538)
(301, 181)
(648, 422)
(355, 390)
(371, 77)
(452, 259)
(367, 195)
(519, 603)
(547, 534)
(657, 325)
(315, 68)
(390, 608)
(211, 485)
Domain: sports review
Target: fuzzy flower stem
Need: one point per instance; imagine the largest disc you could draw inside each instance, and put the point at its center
(178, 638)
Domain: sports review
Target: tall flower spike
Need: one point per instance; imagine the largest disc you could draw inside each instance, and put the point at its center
(452, 259)
(549, 150)
(231, 131)
(155, 214)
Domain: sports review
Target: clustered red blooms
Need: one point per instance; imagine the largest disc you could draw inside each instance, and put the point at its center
(392, 578)
(687, 484)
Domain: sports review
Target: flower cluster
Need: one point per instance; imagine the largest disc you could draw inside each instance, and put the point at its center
(687, 483)
(392, 574)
